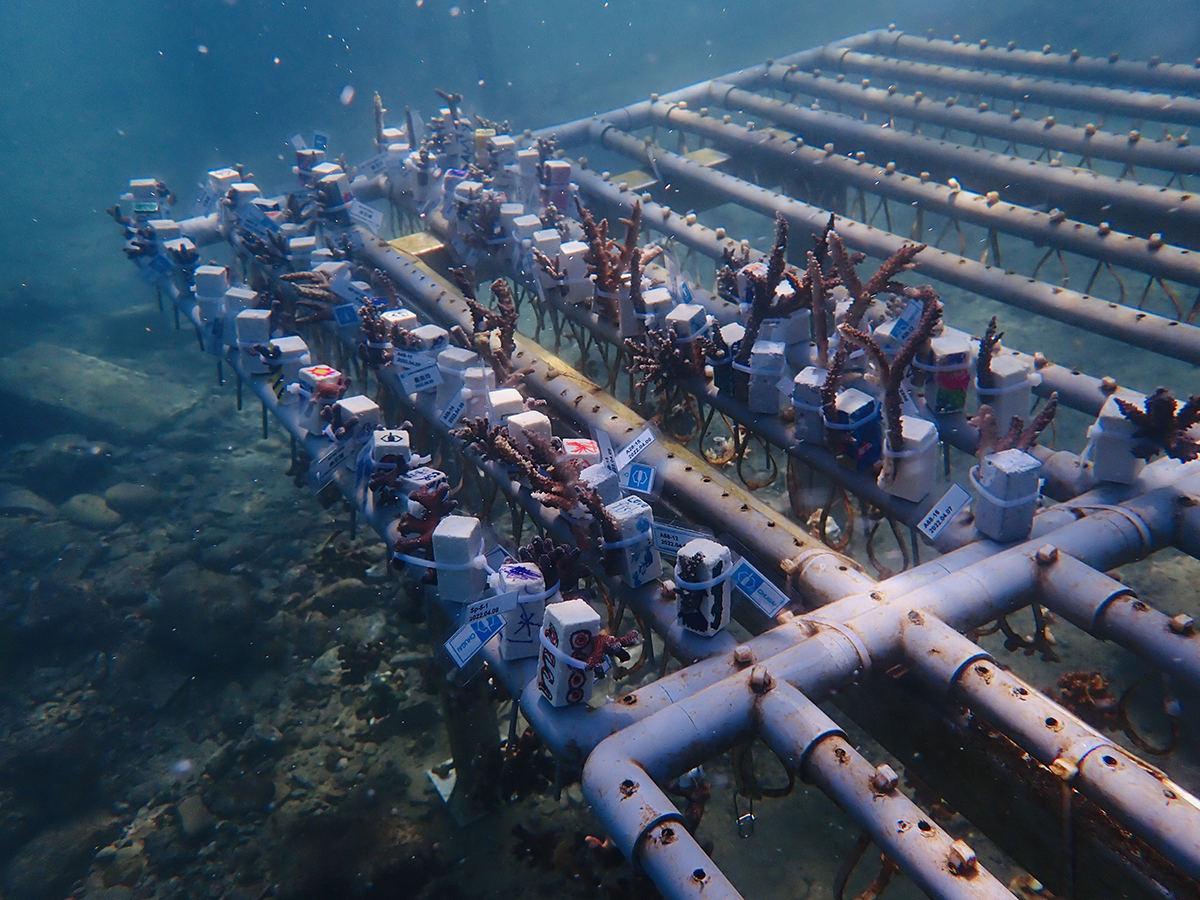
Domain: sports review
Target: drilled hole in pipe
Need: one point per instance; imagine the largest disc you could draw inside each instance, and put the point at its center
(924, 826)
(1109, 760)
(699, 875)
(1051, 722)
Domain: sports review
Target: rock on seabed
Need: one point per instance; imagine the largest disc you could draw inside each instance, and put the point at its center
(90, 511)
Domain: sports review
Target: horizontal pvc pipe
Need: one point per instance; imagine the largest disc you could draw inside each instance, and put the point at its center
(1039, 228)
(1159, 107)
(633, 116)
(1144, 799)
(1157, 333)
(1110, 610)
(1170, 156)
(1157, 76)
(810, 742)
(1127, 204)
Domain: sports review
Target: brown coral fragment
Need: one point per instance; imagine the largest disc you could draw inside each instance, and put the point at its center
(1163, 427)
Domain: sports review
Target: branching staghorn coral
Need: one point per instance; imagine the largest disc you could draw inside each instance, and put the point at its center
(493, 333)
(607, 260)
(987, 349)
(861, 294)
(1018, 436)
(1162, 426)
(766, 304)
(553, 479)
(892, 376)
(382, 283)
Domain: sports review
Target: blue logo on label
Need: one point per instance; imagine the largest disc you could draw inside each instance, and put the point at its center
(640, 477)
(747, 581)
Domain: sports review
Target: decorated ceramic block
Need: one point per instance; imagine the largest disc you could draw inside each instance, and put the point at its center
(458, 551)
(354, 419)
(253, 330)
(478, 382)
(659, 303)
(390, 447)
(431, 338)
(519, 639)
(911, 472)
(421, 478)
(635, 547)
(211, 283)
(689, 321)
(582, 449)
(1110, 442)
(806, 405)
(524, 227)
(767, 366)
(453, 362)
(521, 425)
(855, 430)
(1006, 495)
(556, 174)
(948, 372)
(604, 481)
(568, 631)
(1011, 392)
(573, 265)
(732, 334)
(702, 588)
(398, 318)
(503, 403)
(236, 299)
(288, 356)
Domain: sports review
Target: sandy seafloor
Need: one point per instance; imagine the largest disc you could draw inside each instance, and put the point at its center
(183, 712)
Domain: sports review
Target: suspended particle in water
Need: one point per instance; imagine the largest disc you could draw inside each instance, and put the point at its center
(455, 12)
(202, 49)
(420, 3)
(275, 60)
(346, 97)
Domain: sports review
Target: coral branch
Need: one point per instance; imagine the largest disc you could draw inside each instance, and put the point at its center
(1160, 428)
(987, 349)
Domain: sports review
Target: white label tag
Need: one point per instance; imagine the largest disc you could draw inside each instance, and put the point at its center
(469, 639)
(320, 140)
(298, 142)
(606, 450)
(669, 539)
(373, 166)
(758, 589)
(347, 290)
(633, 449)
(416, 380)
(454, 410)
(637, 478)
(323, 468)
(907, 321)
(368, 217)
(480, 610)
(412, 359)
(785, 385)
(943, 511)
